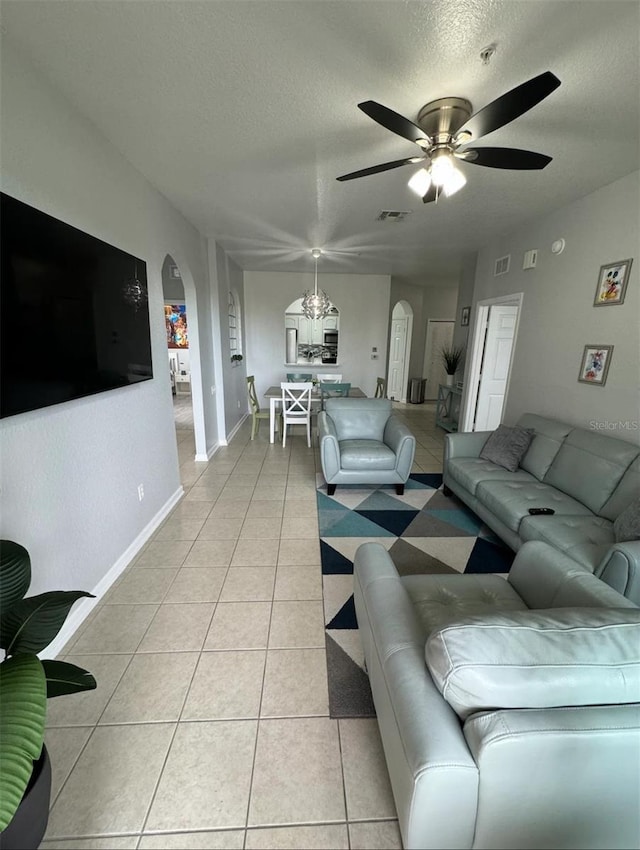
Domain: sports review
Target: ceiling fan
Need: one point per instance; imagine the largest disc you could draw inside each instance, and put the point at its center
(446, 126)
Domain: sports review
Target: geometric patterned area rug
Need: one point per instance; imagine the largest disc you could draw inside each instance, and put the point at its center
(424, 531)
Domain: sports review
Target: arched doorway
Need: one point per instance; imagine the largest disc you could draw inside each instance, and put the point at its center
(183, 360)
(399, 351)
(176, 320)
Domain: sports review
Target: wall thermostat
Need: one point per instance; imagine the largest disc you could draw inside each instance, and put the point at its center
(558, 246)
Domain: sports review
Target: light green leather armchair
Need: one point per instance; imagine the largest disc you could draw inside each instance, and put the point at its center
(361, 442)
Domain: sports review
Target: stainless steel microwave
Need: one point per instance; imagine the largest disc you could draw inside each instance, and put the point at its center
(331, 337)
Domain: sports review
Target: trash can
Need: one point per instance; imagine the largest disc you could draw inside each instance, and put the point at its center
(417, 390)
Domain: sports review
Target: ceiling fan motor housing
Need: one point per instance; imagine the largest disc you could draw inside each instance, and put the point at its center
(441, 119)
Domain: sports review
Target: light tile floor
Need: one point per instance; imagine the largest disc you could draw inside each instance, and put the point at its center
(209, 727)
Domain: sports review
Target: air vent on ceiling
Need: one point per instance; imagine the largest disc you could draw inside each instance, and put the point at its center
(393, 215)
(502, 265)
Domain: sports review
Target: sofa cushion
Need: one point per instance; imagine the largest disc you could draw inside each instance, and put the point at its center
(359, 417)
(444, 598)
(589, 466)
(510, 500)
(366, 454)
(586, 539)
(627, 489)
(549, 436)
(538, 659)
(470, 471)
(507, 445)
(627, 525)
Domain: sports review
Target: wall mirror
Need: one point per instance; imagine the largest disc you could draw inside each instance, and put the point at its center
(311, 341)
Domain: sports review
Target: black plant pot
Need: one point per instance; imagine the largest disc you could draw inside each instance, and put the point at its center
(29, 824)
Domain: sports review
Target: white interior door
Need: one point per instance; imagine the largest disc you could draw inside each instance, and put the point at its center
(439, 334)
(495, 367)
(396, 380)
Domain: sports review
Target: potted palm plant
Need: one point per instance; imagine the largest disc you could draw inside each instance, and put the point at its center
(27, 626)
(451, 358)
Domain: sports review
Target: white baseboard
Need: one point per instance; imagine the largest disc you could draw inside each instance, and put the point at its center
(222, 441)
(235, 429)
(85, 606)
(203, 458)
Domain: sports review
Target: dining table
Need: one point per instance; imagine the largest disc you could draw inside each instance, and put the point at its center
(274, 394)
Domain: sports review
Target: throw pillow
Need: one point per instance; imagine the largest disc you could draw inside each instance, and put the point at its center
(537, 659)
(507, 446)
(627, 525)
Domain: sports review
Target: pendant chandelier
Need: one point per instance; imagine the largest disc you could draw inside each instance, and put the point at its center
(316, 304)
(134, 293)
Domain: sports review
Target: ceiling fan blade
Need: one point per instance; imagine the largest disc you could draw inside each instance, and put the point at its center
(430, 195)
(393, 121)
(375, 169)
(510, 105)
(505, 158)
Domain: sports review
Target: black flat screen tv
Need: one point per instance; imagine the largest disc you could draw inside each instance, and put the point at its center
(74, 312)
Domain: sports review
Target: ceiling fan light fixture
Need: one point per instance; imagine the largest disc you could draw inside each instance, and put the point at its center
(441, 166)
(420, 182)
(454, 182)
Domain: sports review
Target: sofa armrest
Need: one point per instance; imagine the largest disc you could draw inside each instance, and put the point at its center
(402, 443)
(434, 778)
(329, 446)
(546, 578)
(620, 568)
(468, 444)
(586, 764)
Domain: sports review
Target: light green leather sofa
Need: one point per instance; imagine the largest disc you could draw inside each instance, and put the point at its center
(587, 477)
(509, 711)
(361, 442)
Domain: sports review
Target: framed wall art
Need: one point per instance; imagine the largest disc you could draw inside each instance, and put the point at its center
(612, 283)
(595, 363)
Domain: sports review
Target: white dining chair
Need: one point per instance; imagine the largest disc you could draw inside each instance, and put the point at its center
(296, 407)
(329, 378)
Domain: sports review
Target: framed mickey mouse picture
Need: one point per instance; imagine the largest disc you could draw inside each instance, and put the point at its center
(612, 283)
(594, 367)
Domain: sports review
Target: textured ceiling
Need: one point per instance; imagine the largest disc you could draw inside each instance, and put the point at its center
(243, 113)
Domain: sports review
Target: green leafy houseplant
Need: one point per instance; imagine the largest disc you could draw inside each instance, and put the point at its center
(27, 626)
(452, 357)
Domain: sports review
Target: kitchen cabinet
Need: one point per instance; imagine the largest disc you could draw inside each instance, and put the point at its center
(317, 336)
(311, 331)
